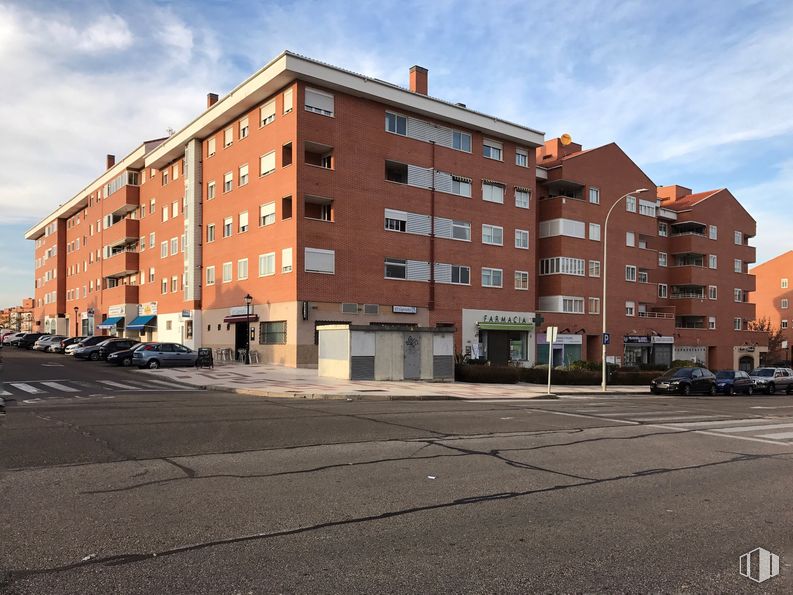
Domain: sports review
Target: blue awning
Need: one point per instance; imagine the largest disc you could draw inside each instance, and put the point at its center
(141, 322)
(111, 322)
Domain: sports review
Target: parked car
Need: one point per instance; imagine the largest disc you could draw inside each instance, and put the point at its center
(93, 340)
(43, 343)
(731, 382)
(11, 336)
(124, 358)
(27, 341)
(769, 380)
(61, 345)
(156, 355)
(108, 347)
(92, 351)
(685, 381)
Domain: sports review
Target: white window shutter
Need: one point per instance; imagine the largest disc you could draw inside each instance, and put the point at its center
(320, 261)
(318, 100)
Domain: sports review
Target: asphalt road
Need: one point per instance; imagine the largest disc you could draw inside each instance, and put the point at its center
(177, 491)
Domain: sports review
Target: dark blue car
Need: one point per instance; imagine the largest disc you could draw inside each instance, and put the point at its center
(731, 382)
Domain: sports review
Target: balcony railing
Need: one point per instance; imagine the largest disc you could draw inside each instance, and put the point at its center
(689, 325)
(687, 295)
(665, 315)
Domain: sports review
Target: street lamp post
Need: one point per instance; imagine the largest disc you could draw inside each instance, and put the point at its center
(248, 300)
(76, 327)
(604, 272)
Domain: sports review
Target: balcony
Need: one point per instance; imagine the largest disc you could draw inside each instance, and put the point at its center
(691, 242)
(657, 315)
(121, 294)
(692, 275)
(121, 264)
(125, 231)
(690, 322)
(123, 201)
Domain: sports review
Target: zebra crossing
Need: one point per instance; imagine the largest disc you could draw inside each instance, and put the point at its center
(23, 389)
(775, 430)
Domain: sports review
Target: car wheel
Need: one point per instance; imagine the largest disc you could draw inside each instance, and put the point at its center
(712, 391)
(770, 389)
(750, 391)
(730, 390)
(652, 390)
(685, 390)
(126, 362)
(153, 364)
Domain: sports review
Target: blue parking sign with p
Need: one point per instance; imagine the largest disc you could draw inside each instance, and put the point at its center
(606, 338)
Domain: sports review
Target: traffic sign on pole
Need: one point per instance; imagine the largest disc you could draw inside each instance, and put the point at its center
(606, 338)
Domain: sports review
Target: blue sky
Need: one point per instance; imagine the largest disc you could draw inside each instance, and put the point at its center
(697, 93)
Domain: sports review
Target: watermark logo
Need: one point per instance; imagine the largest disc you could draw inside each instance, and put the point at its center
(759, 565)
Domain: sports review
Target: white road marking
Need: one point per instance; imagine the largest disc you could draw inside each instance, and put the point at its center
(161, 383)
(4, 393)
(780, 407)
(118, 385)
(676, 418)
(714, 424)
(640, 412)
(26, 387)
(741, 429)
(782, 436)
(60, 387)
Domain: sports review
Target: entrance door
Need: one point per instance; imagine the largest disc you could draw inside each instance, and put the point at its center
(412, 367)
(240, 336)
(498, 347)
(746, 363)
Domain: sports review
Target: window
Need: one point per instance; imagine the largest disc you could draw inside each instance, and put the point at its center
(663, 229)
(210, 190)
(272, 333)
(663, 290)
(522, 239)
(163, 249)
(737, 295)
(228, 137)
(267, 113)
(174, 284)
(647, 208)
(163, 287)
(174, 246)
(522, 198)
(594, 305)
(521, 157)
(286, 260)
(711, 322)
(174, 210)
(630, 239)
(396, 123)
(712, 292)
(395, 268)
(227, 222)
(396, 172)
(176, 172)
(288, 101)
(142, 243)
(492, 234)
(461, 230)
(242, 269)
(630, 273)
(713, 232)
(630, 204)
(461, 186)
(783, 303)
(228, 181)
(738, 265)
(210, 275)
(267, 214)
(267, 163)
(644, 277)
(243, 222)
(594, 268)
(492, 277)
(712, 261)
(243, 175)
(461, 141)
(493, 192)
(562, 265)
(210, 233)
(152, 206)
(630, 308)
(492, 149)
(286, 208)
(319, 261)
(594, 195)
(244, 127)
(738, 238)
(737, 324)
(165, 176)
(151, 275)
(784, 324)
(211, 147)
(594, 231)
(783, 283)
(267, 264)
(164, 214)
(319, 102)
(461, 275)
(521, 280)
(226, 272)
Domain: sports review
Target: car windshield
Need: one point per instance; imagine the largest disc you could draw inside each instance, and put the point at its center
(763, 372)
(725, 374)
(678, 373)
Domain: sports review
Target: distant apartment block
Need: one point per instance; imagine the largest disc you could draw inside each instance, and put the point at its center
(773, 296)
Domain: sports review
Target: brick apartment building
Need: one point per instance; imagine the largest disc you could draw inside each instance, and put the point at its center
(773, 297)
(678, 282)
(18, 318)
(326, 196)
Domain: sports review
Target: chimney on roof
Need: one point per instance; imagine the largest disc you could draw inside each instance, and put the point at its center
(419, 80)
(673, 192)
(110, 161)
(212, 99)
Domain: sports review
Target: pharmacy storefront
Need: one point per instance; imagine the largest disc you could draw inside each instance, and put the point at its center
(566, 349)
(499, 337)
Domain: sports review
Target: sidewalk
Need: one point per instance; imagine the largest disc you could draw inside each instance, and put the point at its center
(268, 380)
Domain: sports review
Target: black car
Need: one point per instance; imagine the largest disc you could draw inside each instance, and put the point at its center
(730, 382)
(27, 341)
(65, 343)
(685, 381)
(105, 349)
(123, 358)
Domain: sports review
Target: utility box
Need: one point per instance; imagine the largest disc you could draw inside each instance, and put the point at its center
(358, 352)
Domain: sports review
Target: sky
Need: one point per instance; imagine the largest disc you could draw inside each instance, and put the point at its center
(697, 93)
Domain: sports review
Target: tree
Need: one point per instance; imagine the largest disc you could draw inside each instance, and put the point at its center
(775, 335)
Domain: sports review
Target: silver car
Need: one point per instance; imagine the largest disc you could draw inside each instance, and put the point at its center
(159, 355)
(44, 343)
